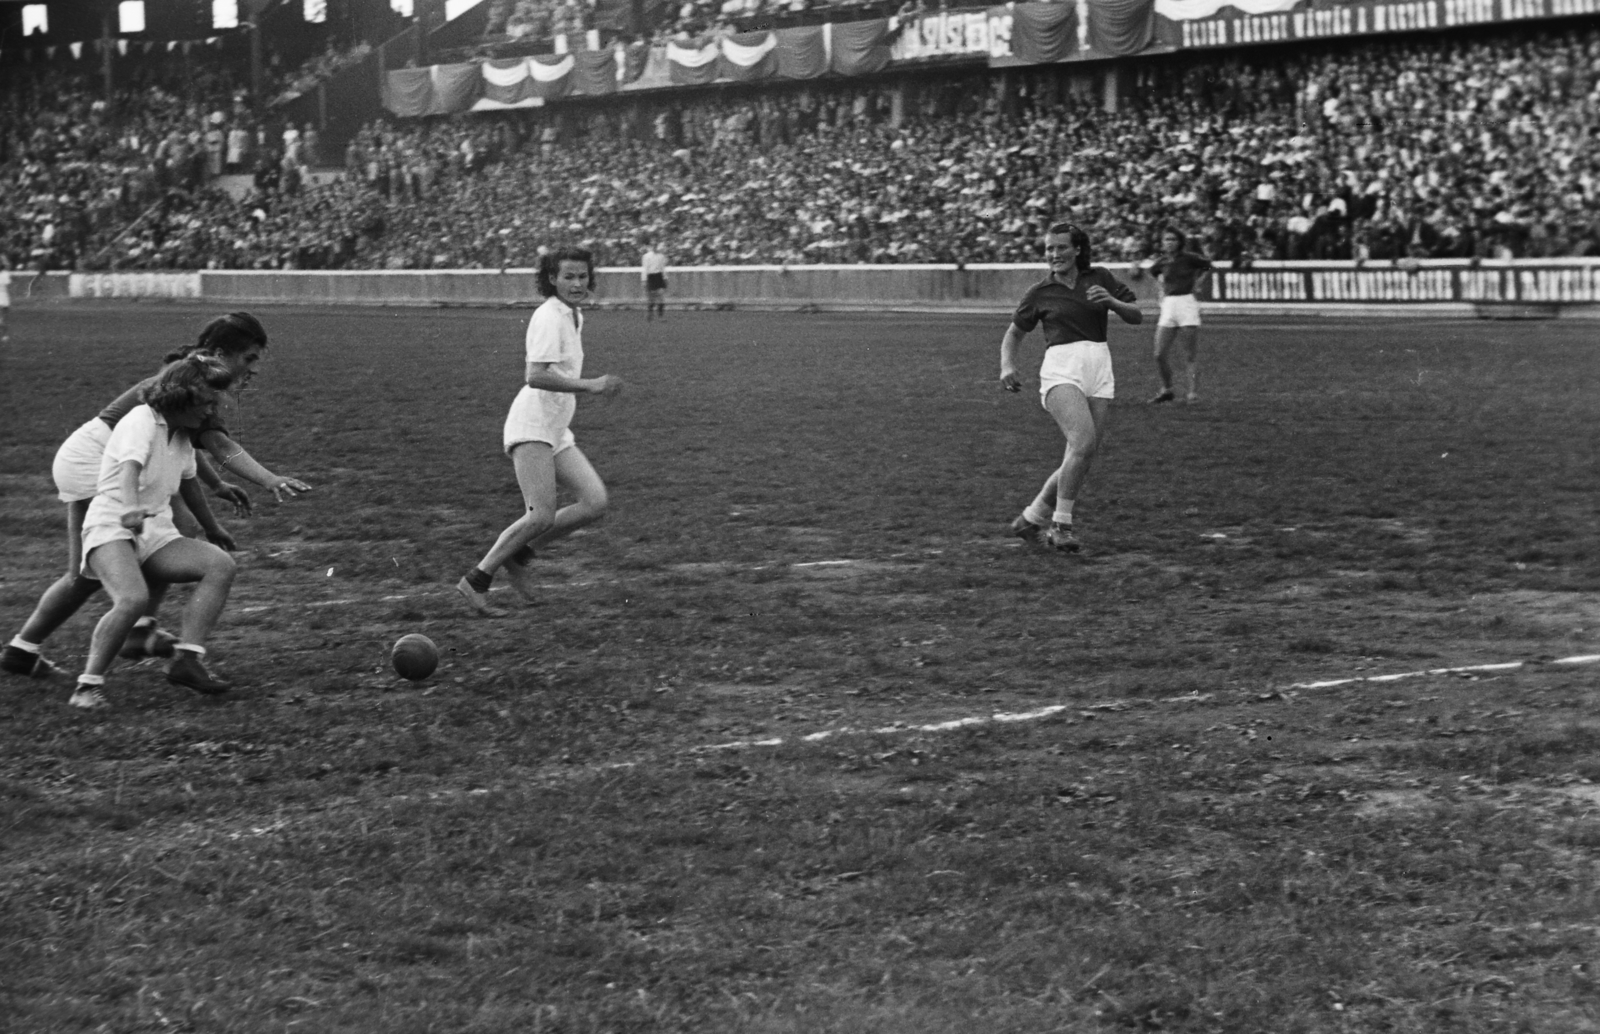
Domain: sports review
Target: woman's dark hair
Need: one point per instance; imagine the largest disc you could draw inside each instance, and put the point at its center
(226, 335)
(1183, 238)
(1079, 238)
(550, 267)
(185, 383)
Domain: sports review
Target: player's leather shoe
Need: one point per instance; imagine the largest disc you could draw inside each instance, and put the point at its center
(1061, 538)
(14, 660)
(1025, 529)
(88, 698)
(478, 601)
(189, 671)
(1164, 395)
(149, 641)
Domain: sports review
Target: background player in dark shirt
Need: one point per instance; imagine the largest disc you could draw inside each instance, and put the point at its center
(1180, 272)
(1075, 379)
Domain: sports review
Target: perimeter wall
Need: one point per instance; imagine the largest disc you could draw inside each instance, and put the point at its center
(1541, 287)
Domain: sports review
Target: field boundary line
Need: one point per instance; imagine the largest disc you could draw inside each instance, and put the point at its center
(1587, 658)
(1017, 717)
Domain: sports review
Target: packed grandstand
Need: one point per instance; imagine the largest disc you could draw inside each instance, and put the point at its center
(1445, 143)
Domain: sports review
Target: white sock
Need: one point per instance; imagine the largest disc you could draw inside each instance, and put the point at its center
(1063, 514)
(198, 651)
(91, 680)
(1037, 513)
(144, 622)
(23, 645)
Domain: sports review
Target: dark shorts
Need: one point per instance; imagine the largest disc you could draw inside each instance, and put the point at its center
(656, 282)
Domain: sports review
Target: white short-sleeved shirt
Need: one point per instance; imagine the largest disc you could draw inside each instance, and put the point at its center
(653, 262)
(555, 336)
(165, 460)
(5, 289)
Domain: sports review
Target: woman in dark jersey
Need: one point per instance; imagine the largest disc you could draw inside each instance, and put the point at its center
(1075, 379)
(237, 339)
(1180, 272)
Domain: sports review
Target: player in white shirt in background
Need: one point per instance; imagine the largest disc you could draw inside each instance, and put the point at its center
(653, 271)
(5, 304)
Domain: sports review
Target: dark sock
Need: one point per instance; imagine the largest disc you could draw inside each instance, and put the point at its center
(523, 556)
(479, 579)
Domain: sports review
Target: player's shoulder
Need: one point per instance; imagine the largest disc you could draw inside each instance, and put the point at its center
(1034, 288)
(140, 420)
(1100, 273)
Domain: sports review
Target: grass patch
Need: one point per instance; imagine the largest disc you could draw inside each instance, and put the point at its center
(566, 828)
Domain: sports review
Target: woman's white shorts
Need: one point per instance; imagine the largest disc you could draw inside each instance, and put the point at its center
(529, 421)
(77, 465)
(1179, 310)
(158, 531)
(1086, 365)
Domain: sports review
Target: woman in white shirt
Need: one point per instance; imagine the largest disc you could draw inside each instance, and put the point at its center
(538, 436)
(129, 538)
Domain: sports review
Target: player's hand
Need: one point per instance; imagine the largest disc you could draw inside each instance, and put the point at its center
(1099, 295)
(133, 520)
(1010, 381)
(607, 385)
(287, 487)
(220, 538)
(235, 496)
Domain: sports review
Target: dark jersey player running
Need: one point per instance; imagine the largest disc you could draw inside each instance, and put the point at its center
(1180, 272)
(1075, 379)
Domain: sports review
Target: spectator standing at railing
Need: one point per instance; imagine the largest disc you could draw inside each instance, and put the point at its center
(238, 148)
(653, 271)
(215, 146)
(310, 146)
(5, 300)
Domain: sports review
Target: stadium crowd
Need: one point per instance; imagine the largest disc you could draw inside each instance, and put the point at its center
(543, 20)
(1463, 146)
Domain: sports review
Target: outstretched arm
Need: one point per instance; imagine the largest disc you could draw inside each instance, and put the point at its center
(232, 458)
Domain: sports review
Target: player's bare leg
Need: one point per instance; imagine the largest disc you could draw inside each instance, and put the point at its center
(536, 475)
(117, 567)
(58, 603)
(1164, 338)
(541, 473)
(1082, 422)
(570, 470)
(577, 475)
(188, 560)
(1189, 338)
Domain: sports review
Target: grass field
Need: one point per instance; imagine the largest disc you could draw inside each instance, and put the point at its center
(613, 811)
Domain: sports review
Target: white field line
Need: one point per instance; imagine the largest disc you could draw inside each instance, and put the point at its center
(1006, 718)
(1588, 658)
(999, 718)
(314, 603)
